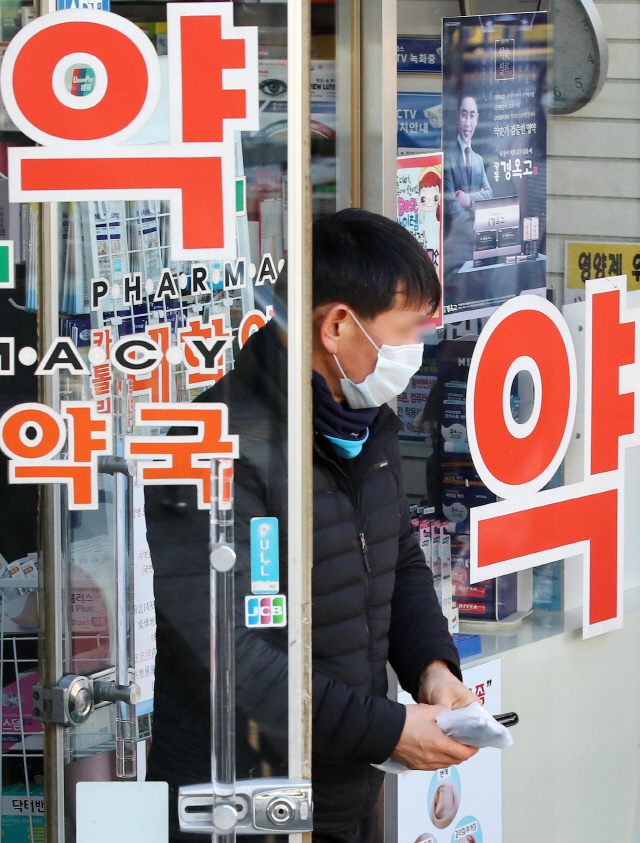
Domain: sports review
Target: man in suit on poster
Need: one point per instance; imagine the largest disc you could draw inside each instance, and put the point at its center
(465, 181)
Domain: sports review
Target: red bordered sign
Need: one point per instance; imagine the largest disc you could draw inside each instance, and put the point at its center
(532, 526)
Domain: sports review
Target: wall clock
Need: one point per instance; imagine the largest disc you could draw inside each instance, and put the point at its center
(580, 57)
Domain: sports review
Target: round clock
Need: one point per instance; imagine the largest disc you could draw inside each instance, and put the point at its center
(580, 55)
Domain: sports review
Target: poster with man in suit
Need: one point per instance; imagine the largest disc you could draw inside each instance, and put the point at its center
(494, 166)
(465, 179)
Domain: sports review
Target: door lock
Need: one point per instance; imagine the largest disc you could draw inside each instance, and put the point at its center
(263, 806)
(73, 698)
(281, 810)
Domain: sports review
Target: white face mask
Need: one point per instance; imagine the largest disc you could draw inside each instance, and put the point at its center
(395, 367)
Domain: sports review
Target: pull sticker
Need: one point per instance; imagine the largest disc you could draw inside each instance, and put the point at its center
(265, 559)
(265, 612)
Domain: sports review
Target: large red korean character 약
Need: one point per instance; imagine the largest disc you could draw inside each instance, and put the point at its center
(31, 435)
(81, 156)
(516, 460)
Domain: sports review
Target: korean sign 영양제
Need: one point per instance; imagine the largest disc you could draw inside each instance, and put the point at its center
(584, 261)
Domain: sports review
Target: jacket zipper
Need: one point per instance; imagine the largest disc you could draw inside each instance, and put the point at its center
(365, 558)
(355, 498)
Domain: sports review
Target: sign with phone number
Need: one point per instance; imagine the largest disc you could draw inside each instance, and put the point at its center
(585, 261)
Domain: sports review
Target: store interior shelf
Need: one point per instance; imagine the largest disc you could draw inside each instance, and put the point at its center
(539, 625)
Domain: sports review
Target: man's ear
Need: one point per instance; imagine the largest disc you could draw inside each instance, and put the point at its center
(330, 322)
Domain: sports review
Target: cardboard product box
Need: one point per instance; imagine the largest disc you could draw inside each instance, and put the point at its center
(16, 809)
(462, 489)
(462, 588)
(501, 601)
(453, 428)
(12, 728)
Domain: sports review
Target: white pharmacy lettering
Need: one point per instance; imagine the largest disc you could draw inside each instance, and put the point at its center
(133, 354)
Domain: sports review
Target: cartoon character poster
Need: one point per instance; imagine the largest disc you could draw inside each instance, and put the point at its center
(420, 206)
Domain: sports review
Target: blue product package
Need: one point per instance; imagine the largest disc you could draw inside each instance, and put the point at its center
(78, 328)
(467, 645)
(265, 556)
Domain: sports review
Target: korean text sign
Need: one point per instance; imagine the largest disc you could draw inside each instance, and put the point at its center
(213, 92)
(599, 260)
(494, 143)
(33, 437)
(532, 525)
(419, 55)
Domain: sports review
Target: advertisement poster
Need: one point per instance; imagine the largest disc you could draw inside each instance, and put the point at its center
(494, 141)
(273, 97)
(419, 183)
(412, 403)
(461, 804)
(419, 121)
(585, 261)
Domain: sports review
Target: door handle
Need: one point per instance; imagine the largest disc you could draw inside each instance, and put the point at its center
(72, 700)
(224, 807)
(263, 806)
(222, 560)
(126, 745)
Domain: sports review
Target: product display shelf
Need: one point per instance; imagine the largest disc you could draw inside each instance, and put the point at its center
(22, 815)
(540, 625)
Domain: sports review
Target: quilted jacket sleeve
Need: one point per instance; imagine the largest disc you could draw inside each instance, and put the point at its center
(419, 633)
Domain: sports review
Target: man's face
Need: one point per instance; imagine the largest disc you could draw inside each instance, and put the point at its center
(402, 325)
(467, 118)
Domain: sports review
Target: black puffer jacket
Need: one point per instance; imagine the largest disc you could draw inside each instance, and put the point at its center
(373, 600)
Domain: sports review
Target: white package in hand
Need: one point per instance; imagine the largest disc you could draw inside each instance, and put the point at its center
(474, 726)
(391, 766)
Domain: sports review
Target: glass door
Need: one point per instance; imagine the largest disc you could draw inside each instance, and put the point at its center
(157, 412)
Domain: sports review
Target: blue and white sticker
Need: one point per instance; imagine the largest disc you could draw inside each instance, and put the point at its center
(265, 556)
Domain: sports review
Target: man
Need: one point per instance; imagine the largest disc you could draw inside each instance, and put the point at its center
(465, 180)
(373, 595)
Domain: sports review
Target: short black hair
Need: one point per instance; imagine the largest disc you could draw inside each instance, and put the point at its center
(359, 258)
(467, 95)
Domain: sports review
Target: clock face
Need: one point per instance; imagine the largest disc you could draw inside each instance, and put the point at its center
(580, 55)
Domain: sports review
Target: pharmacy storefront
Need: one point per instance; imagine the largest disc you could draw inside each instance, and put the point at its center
(161, 166)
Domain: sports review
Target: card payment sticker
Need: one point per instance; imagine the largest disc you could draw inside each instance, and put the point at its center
(265, 612)
(265, 558)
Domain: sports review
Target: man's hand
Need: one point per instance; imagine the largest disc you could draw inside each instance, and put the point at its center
(463, 199)
(424, 746)
(438, 686)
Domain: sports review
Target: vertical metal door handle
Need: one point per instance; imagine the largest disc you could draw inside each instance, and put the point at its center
(222, 560)
(126, 748)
